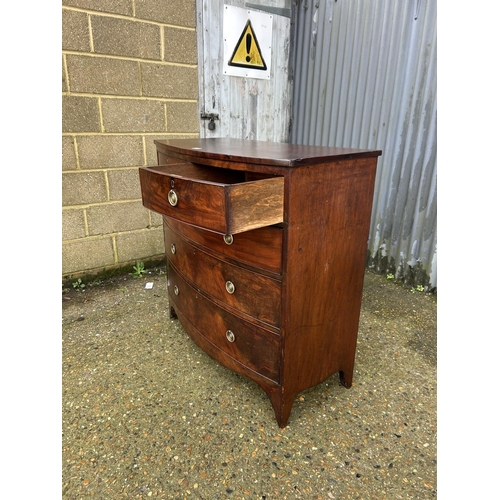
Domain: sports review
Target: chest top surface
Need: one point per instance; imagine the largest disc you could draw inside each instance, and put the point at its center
(261, 152)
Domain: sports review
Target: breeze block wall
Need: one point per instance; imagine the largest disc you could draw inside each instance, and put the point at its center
(129, 74)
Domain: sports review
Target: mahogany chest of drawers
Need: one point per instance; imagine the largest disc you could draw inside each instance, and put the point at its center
(266, 247)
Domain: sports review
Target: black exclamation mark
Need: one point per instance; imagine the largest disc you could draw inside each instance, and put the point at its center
(249, 45)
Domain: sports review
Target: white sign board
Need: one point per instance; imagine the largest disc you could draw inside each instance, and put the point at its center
(247, 43)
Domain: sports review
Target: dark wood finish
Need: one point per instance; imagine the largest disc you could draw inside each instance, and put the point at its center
(254, 347)
(311, 307)
(326, 243)
(220, 200)
(211, 274)
(260, 248)
(229, 150)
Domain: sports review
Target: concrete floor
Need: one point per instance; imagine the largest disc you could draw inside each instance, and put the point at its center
(147, 414)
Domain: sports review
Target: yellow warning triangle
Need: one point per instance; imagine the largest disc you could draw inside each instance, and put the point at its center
(247, 52)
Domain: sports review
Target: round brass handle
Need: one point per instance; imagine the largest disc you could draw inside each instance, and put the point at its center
(230, 288)
(172, 198)
(176, 290)
(230, 336)
(172, 248)
(228, 239)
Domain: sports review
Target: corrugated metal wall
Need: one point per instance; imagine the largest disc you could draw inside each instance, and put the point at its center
(365, 77)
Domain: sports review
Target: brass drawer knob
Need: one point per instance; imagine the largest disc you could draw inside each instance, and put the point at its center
(176, 290)
(228, 239)
(230, 288)
(172, 248)
(172, 197)
(230, 336)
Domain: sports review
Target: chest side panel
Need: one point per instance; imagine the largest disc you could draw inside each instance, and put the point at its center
(326, 240)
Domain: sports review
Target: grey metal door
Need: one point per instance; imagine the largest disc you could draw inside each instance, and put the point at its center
(243, 106)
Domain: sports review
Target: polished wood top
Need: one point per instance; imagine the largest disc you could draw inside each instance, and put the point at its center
(261, 152)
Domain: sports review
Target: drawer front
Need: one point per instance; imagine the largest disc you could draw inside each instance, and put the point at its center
(254, 347)
(252, 293)
(213, 198)
(260, 248)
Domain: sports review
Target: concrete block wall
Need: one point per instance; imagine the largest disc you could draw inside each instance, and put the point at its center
(129, 76)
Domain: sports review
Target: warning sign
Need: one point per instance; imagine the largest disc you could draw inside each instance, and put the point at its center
(247, 42)
(247, 52)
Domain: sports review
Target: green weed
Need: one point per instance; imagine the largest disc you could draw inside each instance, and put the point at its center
(79, 284)
(138, 270)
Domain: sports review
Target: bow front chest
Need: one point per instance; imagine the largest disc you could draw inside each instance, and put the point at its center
(266, 248)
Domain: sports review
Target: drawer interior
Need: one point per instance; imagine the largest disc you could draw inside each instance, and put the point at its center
(204, 173)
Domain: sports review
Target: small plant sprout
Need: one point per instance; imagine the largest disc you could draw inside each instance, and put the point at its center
(138, 270)
(390, 276)
(78, 284)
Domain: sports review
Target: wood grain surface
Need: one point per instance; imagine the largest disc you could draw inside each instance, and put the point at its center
(256, 296)
(298, 287)
(260, 248)
(255, 347)
(212, 198)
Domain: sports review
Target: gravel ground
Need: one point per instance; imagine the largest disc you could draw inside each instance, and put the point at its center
(147, 414)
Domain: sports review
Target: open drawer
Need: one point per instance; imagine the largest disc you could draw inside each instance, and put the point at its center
(217, 199)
